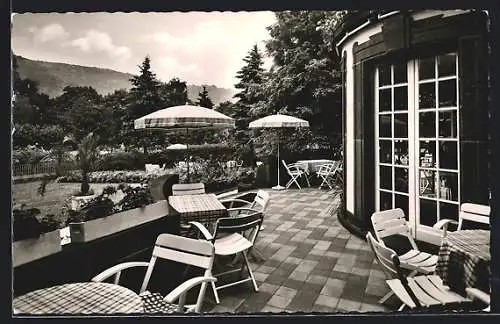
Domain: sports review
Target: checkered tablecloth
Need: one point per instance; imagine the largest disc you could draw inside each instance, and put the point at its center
(311, 166)
(80, 298)
(464, 260)
(205, 208)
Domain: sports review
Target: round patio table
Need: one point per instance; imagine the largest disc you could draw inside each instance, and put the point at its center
(464, 260)
(79, 298)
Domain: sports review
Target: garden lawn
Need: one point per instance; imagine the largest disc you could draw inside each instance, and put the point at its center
(55, 194)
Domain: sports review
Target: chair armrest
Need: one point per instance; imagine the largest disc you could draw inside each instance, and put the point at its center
(478, 294)
(203, 230)
(117, 269)
(443, 224)
(231, 201)
(184, 287)
(242, 209)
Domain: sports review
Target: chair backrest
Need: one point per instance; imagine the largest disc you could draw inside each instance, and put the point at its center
(182, 189)
(261, 199)
(389, 261)
(391, 222)
(198, 253)
(239, 224)
(286, 166)
(474, 213)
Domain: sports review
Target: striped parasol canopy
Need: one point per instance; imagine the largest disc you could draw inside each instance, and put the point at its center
(278, 121)
(185, 116)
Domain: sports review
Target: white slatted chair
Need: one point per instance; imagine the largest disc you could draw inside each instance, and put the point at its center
(230, 240)
(327, 172)
(295, 172)
(468, 212)
(422, 291)
(258, 204)
(179, 249)
(182, 189)
(392, 222)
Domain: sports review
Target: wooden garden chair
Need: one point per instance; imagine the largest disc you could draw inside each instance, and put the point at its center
(180, 249)
(424, 291)
(295, 172)
(181, 189)
(233, 236)
(392, 222)
(468, 212)
(327, 172)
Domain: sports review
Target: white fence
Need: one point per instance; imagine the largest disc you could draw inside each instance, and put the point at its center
(48, 167)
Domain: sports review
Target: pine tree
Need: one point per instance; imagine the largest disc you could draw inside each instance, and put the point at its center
(204, 100)
(144, 99)
(250, 75)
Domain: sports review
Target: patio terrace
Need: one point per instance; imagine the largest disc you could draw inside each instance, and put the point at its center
(312, 263)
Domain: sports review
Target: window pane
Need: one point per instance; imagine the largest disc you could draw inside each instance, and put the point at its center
(384, 126)
(427, 95)
(386, 177)
(401, 125)
(384, 75)
(428, 212)
(384, 100)
(385, 152)
(448, 186)
(385, 200)
(401, 152)
(448, 155)
(401, 98)
(428, 154)
(427, 124)
(426, 69)
(427, 183)
(401, 201)
(400, 70)
(449, 211)
(446, 65)
(448, 124)
(448, 93)
(401, 179)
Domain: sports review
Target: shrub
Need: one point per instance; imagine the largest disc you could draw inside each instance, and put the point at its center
(98, 207)
(134, 197)
(28, 223)
(137, 176)
(133, 160)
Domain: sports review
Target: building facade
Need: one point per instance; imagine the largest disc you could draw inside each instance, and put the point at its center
(415, 116)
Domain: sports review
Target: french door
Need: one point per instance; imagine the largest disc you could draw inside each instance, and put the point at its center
(417, 160)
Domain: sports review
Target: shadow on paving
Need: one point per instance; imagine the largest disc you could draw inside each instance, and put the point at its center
(311, 263)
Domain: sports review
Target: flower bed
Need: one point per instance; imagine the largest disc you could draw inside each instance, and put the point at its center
(137, 176)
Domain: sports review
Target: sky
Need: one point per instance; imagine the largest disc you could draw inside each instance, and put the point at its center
(197, 47)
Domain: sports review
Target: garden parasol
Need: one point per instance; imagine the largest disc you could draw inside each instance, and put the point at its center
(184, 117)
(278, 121)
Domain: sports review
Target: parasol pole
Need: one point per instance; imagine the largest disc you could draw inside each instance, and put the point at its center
(278, 187)
(187, 151)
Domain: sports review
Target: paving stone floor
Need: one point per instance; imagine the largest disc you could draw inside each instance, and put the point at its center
(311, 262)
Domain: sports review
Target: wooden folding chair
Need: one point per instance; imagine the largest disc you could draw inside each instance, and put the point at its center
(426, 291)
(327, 172)
(181, 189)
(295, 172)
(229, 239)
(469, 212)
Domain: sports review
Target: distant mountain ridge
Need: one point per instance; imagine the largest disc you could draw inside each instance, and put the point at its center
(53, 77)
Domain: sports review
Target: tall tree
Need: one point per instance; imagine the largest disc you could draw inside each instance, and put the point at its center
(305, 79)
(204, 100)
(173, 93)
(144, 99)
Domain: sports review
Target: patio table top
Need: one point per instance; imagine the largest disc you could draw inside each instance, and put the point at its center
(79, 298)
(464, 260)
(203, 208)
(312, 165)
